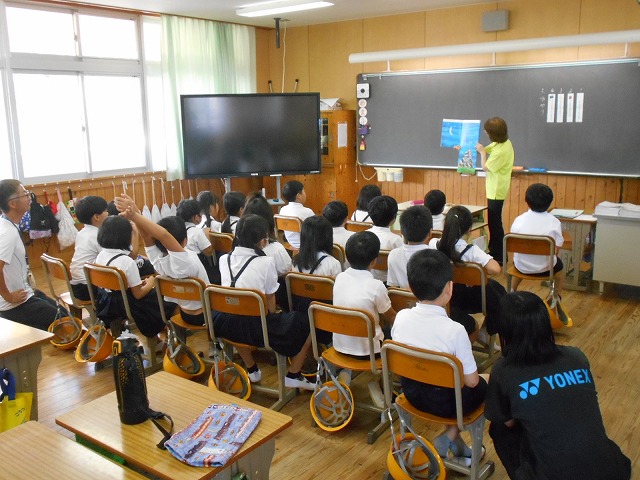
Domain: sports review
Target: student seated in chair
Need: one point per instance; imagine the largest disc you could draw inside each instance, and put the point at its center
(383, 211)
(197, 238)
(427, 326)
(435, 201)
(233, 203)
(543, 404)
(336, 212)
(293, 192)
(361, 213)
(537, 221)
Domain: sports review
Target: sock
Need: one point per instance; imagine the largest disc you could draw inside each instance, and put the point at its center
(441, 444)
(253, 369)
(295, 376)
(459, 448)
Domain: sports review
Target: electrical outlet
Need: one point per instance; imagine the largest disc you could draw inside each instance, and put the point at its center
(362, 90)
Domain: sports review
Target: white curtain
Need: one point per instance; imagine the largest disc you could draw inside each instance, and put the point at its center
(199, 57)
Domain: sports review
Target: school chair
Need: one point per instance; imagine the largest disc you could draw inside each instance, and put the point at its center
(222, 242)
(401, 298)
(440, 369)
(357, 323)
(381, 261)
(309, 286)
(114, 279)
(339, 253)
(530, 245)
(288, 224)
(243, 301)
(357, 226)
(56, 268)
(473, 275)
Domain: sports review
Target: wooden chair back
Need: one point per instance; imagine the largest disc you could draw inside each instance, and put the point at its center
(339, 253)
(381, 261)
(357, 226)
(401, 298)
(288, 224)
(529, 245)
(221, 242)
(315, 287)
(188, 289)
(111, 278)
(473, 275)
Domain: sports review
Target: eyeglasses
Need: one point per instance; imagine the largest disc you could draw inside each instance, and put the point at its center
(26, 193)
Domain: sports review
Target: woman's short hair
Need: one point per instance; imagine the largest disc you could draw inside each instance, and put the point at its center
(496, 128)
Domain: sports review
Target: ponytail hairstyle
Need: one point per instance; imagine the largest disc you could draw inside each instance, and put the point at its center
(251, 229)
(456, 224)
(316, 235)
(206, 200)
(233, 203)
(258, 205)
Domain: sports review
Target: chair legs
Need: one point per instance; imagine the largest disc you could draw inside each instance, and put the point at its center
(476, 471)
(284, 395)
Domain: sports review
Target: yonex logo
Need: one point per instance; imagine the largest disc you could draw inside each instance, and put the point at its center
(532, 387)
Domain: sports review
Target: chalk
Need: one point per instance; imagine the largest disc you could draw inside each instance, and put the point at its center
(536, 170)
(518, 168)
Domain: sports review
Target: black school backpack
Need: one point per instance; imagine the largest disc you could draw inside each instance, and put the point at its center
(43, 222)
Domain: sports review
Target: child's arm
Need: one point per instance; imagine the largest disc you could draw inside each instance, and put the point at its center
(472, 379)
(140, 291)
(390, 315)
(483, 155)
(492, 267)
(271, 302)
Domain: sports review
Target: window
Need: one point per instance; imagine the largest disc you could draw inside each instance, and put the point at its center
(5, 151)
(120, 32)
(55, 31)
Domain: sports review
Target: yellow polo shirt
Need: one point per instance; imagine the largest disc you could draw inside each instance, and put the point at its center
(500, 158)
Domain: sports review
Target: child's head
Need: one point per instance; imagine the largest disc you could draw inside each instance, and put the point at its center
(539, 197)
(496, 128)
(293, 191)
(189, 211)
(90, 210)
(361, 249)
(112, 209)
(233, 203)
(367, 193)
(251, 231)
(383, 210)
(115, 232)
(316, 232)
(416, 223)
(457, 223)
(176, 227)
(258, 205)
(435, 200)
(525, 330)
(208, 202)
(336, 212)
(429, 271)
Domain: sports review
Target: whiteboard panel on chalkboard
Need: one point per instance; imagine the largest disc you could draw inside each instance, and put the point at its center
(566, 118)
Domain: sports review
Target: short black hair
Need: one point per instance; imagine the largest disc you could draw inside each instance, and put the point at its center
(8, 188)
(416, 223)
(176, 227)
(367, 193)
(291, 190)
(112, 209)
(383, 210)
(89, 206)
(258, 205)
(188, 209)
(362, 248)
(539, 197)
(336, 212)
(428, 272)
(233, 202)
(435, 200)
(250, 230)
(115, 232)
(525, 330)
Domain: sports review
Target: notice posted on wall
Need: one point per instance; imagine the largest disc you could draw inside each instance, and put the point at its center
(465, 134)
(562, 108)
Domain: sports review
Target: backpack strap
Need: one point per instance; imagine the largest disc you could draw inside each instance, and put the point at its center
(317, 264)
(114, 257)
(234, 280)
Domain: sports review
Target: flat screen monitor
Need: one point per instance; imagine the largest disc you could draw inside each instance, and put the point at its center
(232, 135)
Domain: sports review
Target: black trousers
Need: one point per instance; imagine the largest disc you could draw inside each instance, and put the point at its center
(38, 311)
(496, 230)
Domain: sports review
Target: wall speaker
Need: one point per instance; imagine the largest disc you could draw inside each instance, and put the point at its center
(496, 21)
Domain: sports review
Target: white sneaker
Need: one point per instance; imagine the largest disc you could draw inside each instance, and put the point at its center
(483, 336)
(466, 461)
(300, 382)
(375, 392)
(256, 376)
(345, 376)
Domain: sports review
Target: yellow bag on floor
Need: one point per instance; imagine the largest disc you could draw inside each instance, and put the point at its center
(559, 316)
(15, 408)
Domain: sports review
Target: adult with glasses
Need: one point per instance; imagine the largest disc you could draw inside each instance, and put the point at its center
(19, 301)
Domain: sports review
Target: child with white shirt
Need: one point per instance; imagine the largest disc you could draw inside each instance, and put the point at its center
(427, 326)
(537, 221)
(293, 192)
(367, 193)
(336, 212)
(415, 224)
(383, 211)
(209, 208)
(435, 201)
(197, 238)
(233, 203)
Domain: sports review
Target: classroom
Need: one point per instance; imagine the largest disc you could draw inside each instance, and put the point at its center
(314, 57)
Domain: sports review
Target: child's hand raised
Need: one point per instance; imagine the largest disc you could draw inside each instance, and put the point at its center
(125, 204)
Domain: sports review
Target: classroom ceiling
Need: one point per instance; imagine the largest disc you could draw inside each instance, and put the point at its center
(225, 10)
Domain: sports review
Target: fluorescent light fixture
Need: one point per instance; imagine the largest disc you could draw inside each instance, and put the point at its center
(279, 6)
(604, 38)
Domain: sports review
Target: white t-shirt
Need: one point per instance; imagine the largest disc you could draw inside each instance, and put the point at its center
(388, 241)
(438, 222)
(178, 265)
(474, 254)
(233, 223)
(197, 240)
(123, 262)
(341, 235)
(536, 223)
(280, 257)
(397, 264)
(295, 209)
(260, 274)
(361, 216)
(215, 225)
(329, 266)
(15, 270)
(358, 289)
(428, 327)
(86, 251)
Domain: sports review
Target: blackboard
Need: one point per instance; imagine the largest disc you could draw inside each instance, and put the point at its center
(405, 113)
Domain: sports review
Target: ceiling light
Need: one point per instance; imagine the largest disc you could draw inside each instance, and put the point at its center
(280, 6)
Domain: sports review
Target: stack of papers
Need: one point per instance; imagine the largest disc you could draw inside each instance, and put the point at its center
(630, 210)
(566, 213)
(607, 208)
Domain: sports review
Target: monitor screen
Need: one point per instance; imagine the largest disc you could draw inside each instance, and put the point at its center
(233, 135)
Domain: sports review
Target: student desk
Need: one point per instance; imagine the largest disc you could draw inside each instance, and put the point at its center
(20, 352)
(578, 230)
(99, 423)
(31, 450)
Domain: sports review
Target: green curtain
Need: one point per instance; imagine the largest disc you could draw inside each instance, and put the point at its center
(199, 57)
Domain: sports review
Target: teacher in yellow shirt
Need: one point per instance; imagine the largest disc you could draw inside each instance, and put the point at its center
(497, 161)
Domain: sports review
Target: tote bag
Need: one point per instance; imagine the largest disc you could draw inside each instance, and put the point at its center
(15, 408)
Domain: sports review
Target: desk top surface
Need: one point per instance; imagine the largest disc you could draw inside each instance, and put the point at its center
(98, 421)
(15, 337)
(31, 451)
